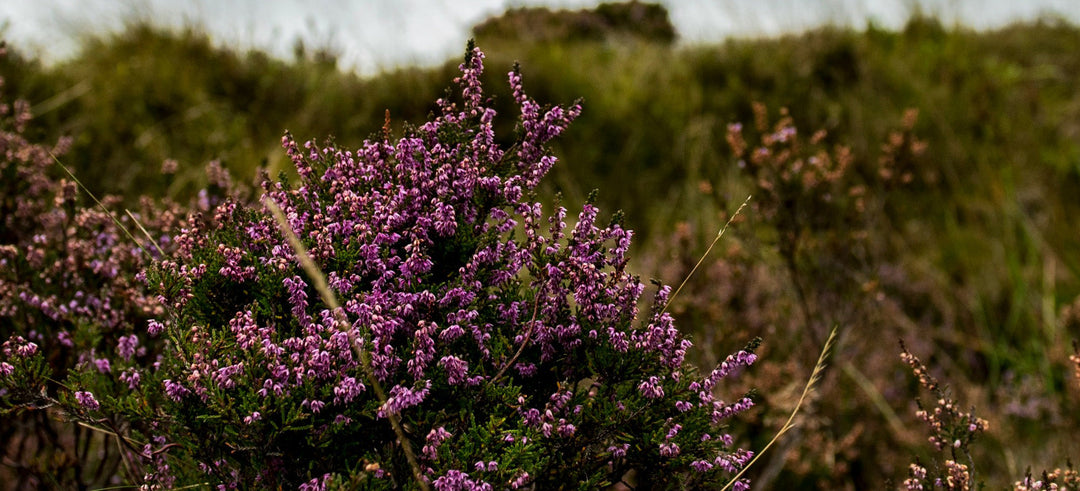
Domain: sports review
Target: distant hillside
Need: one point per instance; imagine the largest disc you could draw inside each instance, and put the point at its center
(646, 21)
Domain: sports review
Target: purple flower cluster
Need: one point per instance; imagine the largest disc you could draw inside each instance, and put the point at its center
(87, 400)
(501, 333)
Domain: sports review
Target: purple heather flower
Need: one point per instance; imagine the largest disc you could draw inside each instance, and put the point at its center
(721, 411)
(701, 465)
(102, 365)
(519, 481)
(175, 391)
(87, 400)
(403, 398)
(455, 480)
(154, 327)
(223, 376)
(456, 369)
(347, 390)
(669, 449)
(126, 346)
(618, 451)
(6, 369)
(132, 377)
(651, 388)
(434, 439)
(17, 346)
(317, 484)
(446, 265)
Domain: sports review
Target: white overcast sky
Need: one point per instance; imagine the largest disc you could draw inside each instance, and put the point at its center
(375, 34)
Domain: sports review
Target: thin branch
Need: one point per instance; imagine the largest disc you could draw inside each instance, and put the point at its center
(524, 342)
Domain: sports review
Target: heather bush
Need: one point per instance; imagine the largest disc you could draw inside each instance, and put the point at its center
(511, 344)
(816, 212)
(953, 433)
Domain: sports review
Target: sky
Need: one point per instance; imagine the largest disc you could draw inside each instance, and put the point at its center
(371, 35)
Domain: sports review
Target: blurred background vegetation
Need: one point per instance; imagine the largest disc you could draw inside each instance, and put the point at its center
(956, 230)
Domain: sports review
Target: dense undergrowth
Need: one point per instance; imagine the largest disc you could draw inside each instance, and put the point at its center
(935, 205)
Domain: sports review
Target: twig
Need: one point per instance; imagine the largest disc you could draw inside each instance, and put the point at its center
(330, 299)
(525, 341)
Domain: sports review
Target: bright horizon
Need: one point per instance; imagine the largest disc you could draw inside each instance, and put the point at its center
(371, 35)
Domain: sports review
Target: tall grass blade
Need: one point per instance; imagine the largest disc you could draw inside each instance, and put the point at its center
(815, 376)
(101, 205)
(707, 250)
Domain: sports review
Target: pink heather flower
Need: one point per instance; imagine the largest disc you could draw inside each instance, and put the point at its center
(651, 388)
(87, 400)
(455, 480)
(126, 346)
(347, 390)
(255, 416)
(456, 369)
(669, 449)
(6, 368)
(618, 451)
(316, 484)
(701, 465)
(434, 439)
(131, 377)
(154, 328)
(174, 390)
(519, 481)
(102, 365)
(17, 346)
(403, 398)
